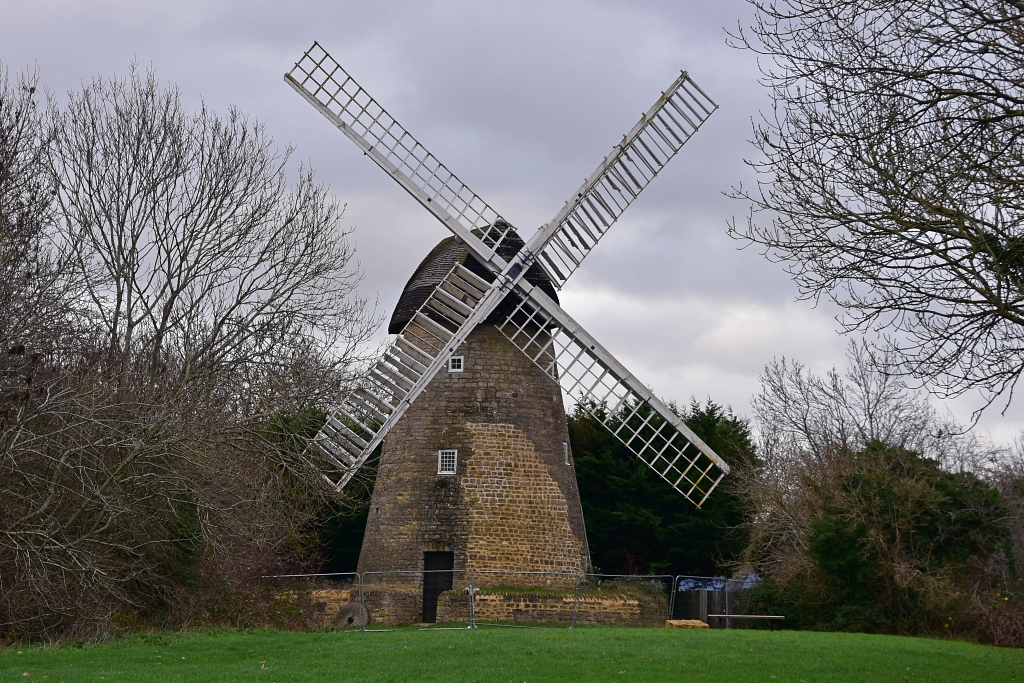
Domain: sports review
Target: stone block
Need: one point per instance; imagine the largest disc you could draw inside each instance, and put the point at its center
(685, 623)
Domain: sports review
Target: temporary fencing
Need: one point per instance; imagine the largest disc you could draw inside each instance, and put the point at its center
(697, 597)
(458, 598)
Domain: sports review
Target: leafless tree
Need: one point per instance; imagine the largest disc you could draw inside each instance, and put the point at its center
(873, 511)
(890, 174)
(1008, 475)
(215, 318)
(34, 282)
(38, 322)
(810, 430)
(196, 253)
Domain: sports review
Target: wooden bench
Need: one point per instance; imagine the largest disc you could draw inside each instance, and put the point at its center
(770, 618)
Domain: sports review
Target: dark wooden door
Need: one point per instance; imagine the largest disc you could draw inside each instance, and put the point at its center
(437, 578)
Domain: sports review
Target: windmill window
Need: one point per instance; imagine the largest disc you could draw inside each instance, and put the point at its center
(455, 364)
(446, 461)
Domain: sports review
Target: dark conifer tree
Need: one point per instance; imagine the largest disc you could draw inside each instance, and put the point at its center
(636, 524)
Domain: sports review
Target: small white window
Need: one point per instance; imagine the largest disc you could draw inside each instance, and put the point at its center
(446, 461)
(565, 452)
(455, 364)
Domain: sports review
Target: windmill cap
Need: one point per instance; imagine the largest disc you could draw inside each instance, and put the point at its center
(438, 264)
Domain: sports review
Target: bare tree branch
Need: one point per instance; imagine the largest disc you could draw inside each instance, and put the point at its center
(890, 175)
(180, 317)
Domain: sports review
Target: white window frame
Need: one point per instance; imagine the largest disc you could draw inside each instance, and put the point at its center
(442, 460)
(456, 360)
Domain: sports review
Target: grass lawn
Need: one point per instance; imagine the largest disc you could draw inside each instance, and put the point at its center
(506, 654)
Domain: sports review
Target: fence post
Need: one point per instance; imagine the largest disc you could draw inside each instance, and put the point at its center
(728, 622)
(362, 603)
(576, 600)
(472, 600)
(672, 598)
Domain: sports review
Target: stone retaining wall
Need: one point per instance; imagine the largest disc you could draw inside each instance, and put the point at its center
(555, 608)
(393, 607)
(406, 607)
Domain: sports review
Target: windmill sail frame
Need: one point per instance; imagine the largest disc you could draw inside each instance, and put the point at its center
(591, 376)
(537, 326)
(329, 88)
(622, 175)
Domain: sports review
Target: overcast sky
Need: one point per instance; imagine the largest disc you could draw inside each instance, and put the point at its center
(521, 100)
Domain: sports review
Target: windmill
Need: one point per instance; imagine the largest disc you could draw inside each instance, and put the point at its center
(486, 291)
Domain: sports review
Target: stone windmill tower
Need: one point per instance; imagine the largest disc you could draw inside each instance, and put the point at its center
(475, 472)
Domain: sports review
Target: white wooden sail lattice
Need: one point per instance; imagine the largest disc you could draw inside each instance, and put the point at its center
(621, 176)
(597, 382)
(368, 411)
(537, 326)
(326, 85)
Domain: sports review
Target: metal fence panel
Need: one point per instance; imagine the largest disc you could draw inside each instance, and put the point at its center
(450, 598)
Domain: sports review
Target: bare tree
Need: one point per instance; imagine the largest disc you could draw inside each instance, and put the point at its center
(34, 282)
(890, 176)
(196, 252)
(39, 323)
(217, 318)
(810, 427)
(872, 511)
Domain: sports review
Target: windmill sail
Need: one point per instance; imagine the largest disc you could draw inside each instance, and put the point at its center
(595, 380)
(620, 177)
(329, 88)
(365, 415)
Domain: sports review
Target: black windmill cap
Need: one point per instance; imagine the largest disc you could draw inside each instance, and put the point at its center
(439, 263)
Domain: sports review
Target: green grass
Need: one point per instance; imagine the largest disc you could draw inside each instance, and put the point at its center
(506, 654)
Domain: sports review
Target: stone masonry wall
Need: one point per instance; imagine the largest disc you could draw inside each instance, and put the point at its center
(382, 606)
(555, 608)
(518, 517)
(327, 606)
(414, 509)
